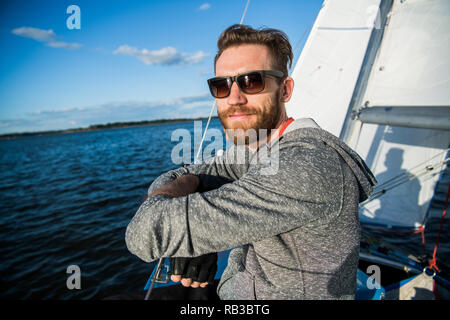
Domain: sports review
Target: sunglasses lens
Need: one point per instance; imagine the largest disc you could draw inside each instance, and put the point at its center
(251, 82)
(219, 88)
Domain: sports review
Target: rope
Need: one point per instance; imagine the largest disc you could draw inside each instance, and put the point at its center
(420, 229)
(403, 178)
(245, 11)
(433, 260)
(399, 180)
(297, 45)
(410, 171)
(196, 160)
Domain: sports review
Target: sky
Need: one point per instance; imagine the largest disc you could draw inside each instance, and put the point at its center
(122, 60)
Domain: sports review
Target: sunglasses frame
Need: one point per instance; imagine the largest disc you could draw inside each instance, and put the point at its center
(230, 80)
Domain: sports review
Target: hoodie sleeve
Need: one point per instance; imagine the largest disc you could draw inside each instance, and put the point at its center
(307, 187)
(213, 173)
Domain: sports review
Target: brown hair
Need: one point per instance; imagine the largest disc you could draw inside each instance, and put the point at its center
(275, 40)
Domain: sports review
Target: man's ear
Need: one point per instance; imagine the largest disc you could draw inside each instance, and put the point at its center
(287, 87)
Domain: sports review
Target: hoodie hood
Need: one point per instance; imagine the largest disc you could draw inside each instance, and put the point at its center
(308, 128)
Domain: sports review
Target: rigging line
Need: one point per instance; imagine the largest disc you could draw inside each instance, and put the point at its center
(147, 296)
(378, 194)
(435, 156)
(433, 261)
(304, 34)
(413, 169)
(430, 169)
(359, 134)
(196, 160)
(353, 132)
(245, 11)
(409, 176)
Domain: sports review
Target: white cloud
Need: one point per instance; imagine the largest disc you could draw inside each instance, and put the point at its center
(204, 6)
(64, 45)
(46, 36)
(164, 56)
(196, 57)
(35, 33)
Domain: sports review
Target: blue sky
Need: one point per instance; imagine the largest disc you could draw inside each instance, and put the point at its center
(130, 60)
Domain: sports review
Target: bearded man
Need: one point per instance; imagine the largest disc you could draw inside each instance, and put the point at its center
(294, 231)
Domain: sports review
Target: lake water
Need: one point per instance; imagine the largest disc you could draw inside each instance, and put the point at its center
(66, 199)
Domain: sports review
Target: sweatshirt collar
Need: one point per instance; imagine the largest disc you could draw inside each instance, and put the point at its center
(285, 125)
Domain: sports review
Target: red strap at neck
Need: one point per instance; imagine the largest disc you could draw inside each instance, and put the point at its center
(285, 125)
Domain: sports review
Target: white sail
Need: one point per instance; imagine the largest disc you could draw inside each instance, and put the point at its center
(411, 70)
(412, 67)
(328, 68)
(407, 163)
(363, 54)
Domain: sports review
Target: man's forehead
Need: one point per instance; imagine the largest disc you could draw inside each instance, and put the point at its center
(242, 58)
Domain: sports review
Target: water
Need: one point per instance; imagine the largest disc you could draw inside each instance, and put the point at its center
(66, 199)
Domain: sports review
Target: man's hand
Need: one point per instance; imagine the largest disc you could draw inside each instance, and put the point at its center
(194, 272)
(180, 187)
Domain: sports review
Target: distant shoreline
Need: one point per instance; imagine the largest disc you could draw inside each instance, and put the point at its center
(95, 127)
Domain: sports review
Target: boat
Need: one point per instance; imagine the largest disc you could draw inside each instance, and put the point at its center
(381, 68)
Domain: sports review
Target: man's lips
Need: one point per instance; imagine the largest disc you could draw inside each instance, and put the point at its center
(237, 116)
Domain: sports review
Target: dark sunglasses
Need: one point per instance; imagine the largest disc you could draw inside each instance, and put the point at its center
(250, 82)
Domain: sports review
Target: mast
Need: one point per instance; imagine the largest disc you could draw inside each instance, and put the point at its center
(369, 58)
(375, 73)
(429, 117)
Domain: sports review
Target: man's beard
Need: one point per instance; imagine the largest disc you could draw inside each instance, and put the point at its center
(266, 119)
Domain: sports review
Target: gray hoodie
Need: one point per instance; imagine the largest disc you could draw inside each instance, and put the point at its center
(295, 231)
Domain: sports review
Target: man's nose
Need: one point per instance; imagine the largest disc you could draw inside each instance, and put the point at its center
(236, 96)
